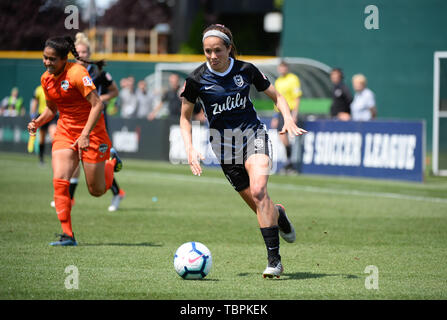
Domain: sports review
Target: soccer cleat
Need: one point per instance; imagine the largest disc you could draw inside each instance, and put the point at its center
(64, 240)
(286, 229)
(118, 163)
(273, 271)
(116, 200)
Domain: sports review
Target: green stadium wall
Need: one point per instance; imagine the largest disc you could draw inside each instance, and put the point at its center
(397, 58)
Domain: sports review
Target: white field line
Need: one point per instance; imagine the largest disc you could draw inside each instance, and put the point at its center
(285, 186)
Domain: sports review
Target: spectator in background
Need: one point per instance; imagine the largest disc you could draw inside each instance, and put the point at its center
(38, 105)
(128, 98)
(12, 106)
(172, 97)
(341, 97)
(363, 107)
(144, 99)
(289, 86)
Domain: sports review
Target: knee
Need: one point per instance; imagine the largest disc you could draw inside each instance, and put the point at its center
(258, 193)
(95, 191)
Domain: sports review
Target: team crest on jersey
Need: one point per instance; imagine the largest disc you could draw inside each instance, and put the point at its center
(65, 85)
(87, 81)
(259, 144)
(238, 80)
(103, 147)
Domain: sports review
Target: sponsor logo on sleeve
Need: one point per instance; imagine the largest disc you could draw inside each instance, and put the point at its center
(87, 81)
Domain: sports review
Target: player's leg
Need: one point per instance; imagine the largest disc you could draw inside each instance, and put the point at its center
(258, 166)
(118, 193)
(74, 183)
(43, 132)
(286, 229)
(64, 162)
(98, 176)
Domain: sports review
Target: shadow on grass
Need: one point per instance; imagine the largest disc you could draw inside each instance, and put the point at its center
(304, 275)
(119, 244)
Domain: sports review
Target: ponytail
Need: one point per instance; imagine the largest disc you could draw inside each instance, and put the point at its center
(72, 47)
(64, 45)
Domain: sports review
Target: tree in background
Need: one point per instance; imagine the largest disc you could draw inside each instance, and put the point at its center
(26, 24)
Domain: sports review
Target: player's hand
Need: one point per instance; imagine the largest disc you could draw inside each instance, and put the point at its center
(82, 142)
(194, 158)
(32, 127)
(291, 128)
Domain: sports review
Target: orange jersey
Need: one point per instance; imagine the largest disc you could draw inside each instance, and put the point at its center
(68, 91)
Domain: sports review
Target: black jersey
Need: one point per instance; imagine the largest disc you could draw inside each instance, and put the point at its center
(225, 97)
(101, 79)
(341, 99)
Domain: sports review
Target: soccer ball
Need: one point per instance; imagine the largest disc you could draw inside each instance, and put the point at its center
(192, 260)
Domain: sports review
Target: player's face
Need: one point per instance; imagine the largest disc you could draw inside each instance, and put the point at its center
(83, 52)
(335, 77)
(216, 53)
(358, 85)
(283, 70)
(52, 62)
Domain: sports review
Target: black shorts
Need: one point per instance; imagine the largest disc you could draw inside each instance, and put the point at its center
(235, 172)
(52, 121)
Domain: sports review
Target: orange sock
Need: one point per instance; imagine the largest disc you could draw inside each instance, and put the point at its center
(62, 203)
(109, 172)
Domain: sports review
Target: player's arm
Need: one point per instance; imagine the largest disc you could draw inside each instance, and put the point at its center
(283, 107)
(194, 156)
(95, 114)
(112, 92)
(47, 115)
(373, 112)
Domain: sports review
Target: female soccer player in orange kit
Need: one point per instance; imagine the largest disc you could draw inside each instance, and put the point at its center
(80, 135)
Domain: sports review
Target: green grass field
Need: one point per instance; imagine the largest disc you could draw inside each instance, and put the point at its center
(343, 225)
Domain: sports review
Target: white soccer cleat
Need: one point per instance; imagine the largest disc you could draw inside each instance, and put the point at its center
(286, 229)
(52, 204)
(271, 272)
(116, 200)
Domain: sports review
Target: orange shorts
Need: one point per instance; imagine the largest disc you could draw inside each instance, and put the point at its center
(98, 149)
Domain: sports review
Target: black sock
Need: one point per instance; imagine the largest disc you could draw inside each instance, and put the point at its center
(288, 152)
(72, 188)
(115, 188)
(271, 239)
(41, 151)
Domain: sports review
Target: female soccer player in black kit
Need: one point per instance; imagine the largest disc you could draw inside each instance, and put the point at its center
(239, 139)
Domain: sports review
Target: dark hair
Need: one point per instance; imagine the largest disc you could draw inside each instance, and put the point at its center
(64, 45)
(339, 70)
(222, 28)
(283, 63)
